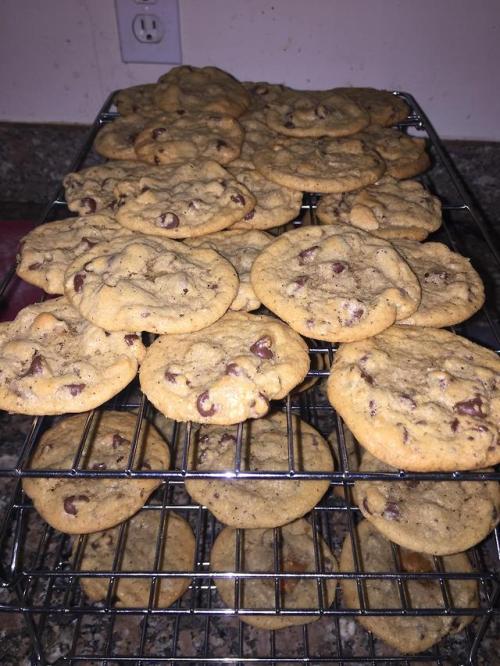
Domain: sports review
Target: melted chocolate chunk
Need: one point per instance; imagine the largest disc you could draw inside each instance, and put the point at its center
(373, 407)
(367, 377)
(78, 281)
(36, 366)
(339, 267)
(69, 503)
(472, 407)
(167, 221)
(130, 338)
(238, 198)
(454, 425)
(75, 389)
(262, 347)
(250, 215)
(307, 255)
(89, 203)
(201, 405)
(233, 369)
(391, 511)
(171, 376)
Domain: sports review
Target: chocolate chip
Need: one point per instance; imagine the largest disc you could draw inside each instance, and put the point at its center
(367, 377)
(262, 347)
(289, 124)
(373, 407)
(407, 401)
(78, 281)
(339, 267)
(238, 198)
(36, 366)
(391, 511)
(250, 215)
(454, 425)
(301, 280)
(98, 466)
(220, 144)
(118, 440)
(306, 256)
(201, 405)
(171, 376)
(233, 369)
(470, 407)
(130, 338)
(167, 221)
(157, 132)
(69, 505)
(157, 160)
(89, 203)
(75, 389)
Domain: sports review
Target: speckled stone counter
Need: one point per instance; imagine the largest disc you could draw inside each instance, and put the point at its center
(33, 158)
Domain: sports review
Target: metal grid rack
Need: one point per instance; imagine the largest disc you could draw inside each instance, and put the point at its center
(40, 569)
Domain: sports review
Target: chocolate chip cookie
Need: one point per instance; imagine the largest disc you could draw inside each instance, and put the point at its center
(115, 140)
(79, 506)
(421, 399)
(335, 283)
(137, 99)
(407, 634)
(149, 283)
(48, 250)
(383, 107)
(201, 89)
(405, 156)
(388, 209)
(53, 361)
(240, 248)
(139, 550)
(274, 204)
(225, 373)
(174, 137)
(189, 199)
(436, 517)
(264, 446)
(452, 291)
(297, 555)
(315, 114)
(320, 165)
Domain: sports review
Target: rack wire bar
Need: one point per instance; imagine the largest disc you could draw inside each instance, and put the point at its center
(39, 575)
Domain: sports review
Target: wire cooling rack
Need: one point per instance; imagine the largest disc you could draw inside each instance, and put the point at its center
(41, 568)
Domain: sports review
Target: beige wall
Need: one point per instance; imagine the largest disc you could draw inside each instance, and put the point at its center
(60, 58)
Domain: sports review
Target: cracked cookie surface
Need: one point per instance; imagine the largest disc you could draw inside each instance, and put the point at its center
(189, 199)
(404, 155)
(174, 137)
(335, 283)
(225, 373)
(421, 399)
(388, 209)
(151, 284)
(255, 503)
(79, 506)
(115, 140)
(319, 165)
(383, 107)
(54, 361)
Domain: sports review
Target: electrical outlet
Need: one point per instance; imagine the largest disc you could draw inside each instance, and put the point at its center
(149, 30)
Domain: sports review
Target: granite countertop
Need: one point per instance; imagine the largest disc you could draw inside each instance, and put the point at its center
(33, 158)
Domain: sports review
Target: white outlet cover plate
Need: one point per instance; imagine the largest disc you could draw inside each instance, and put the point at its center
(166, 12)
